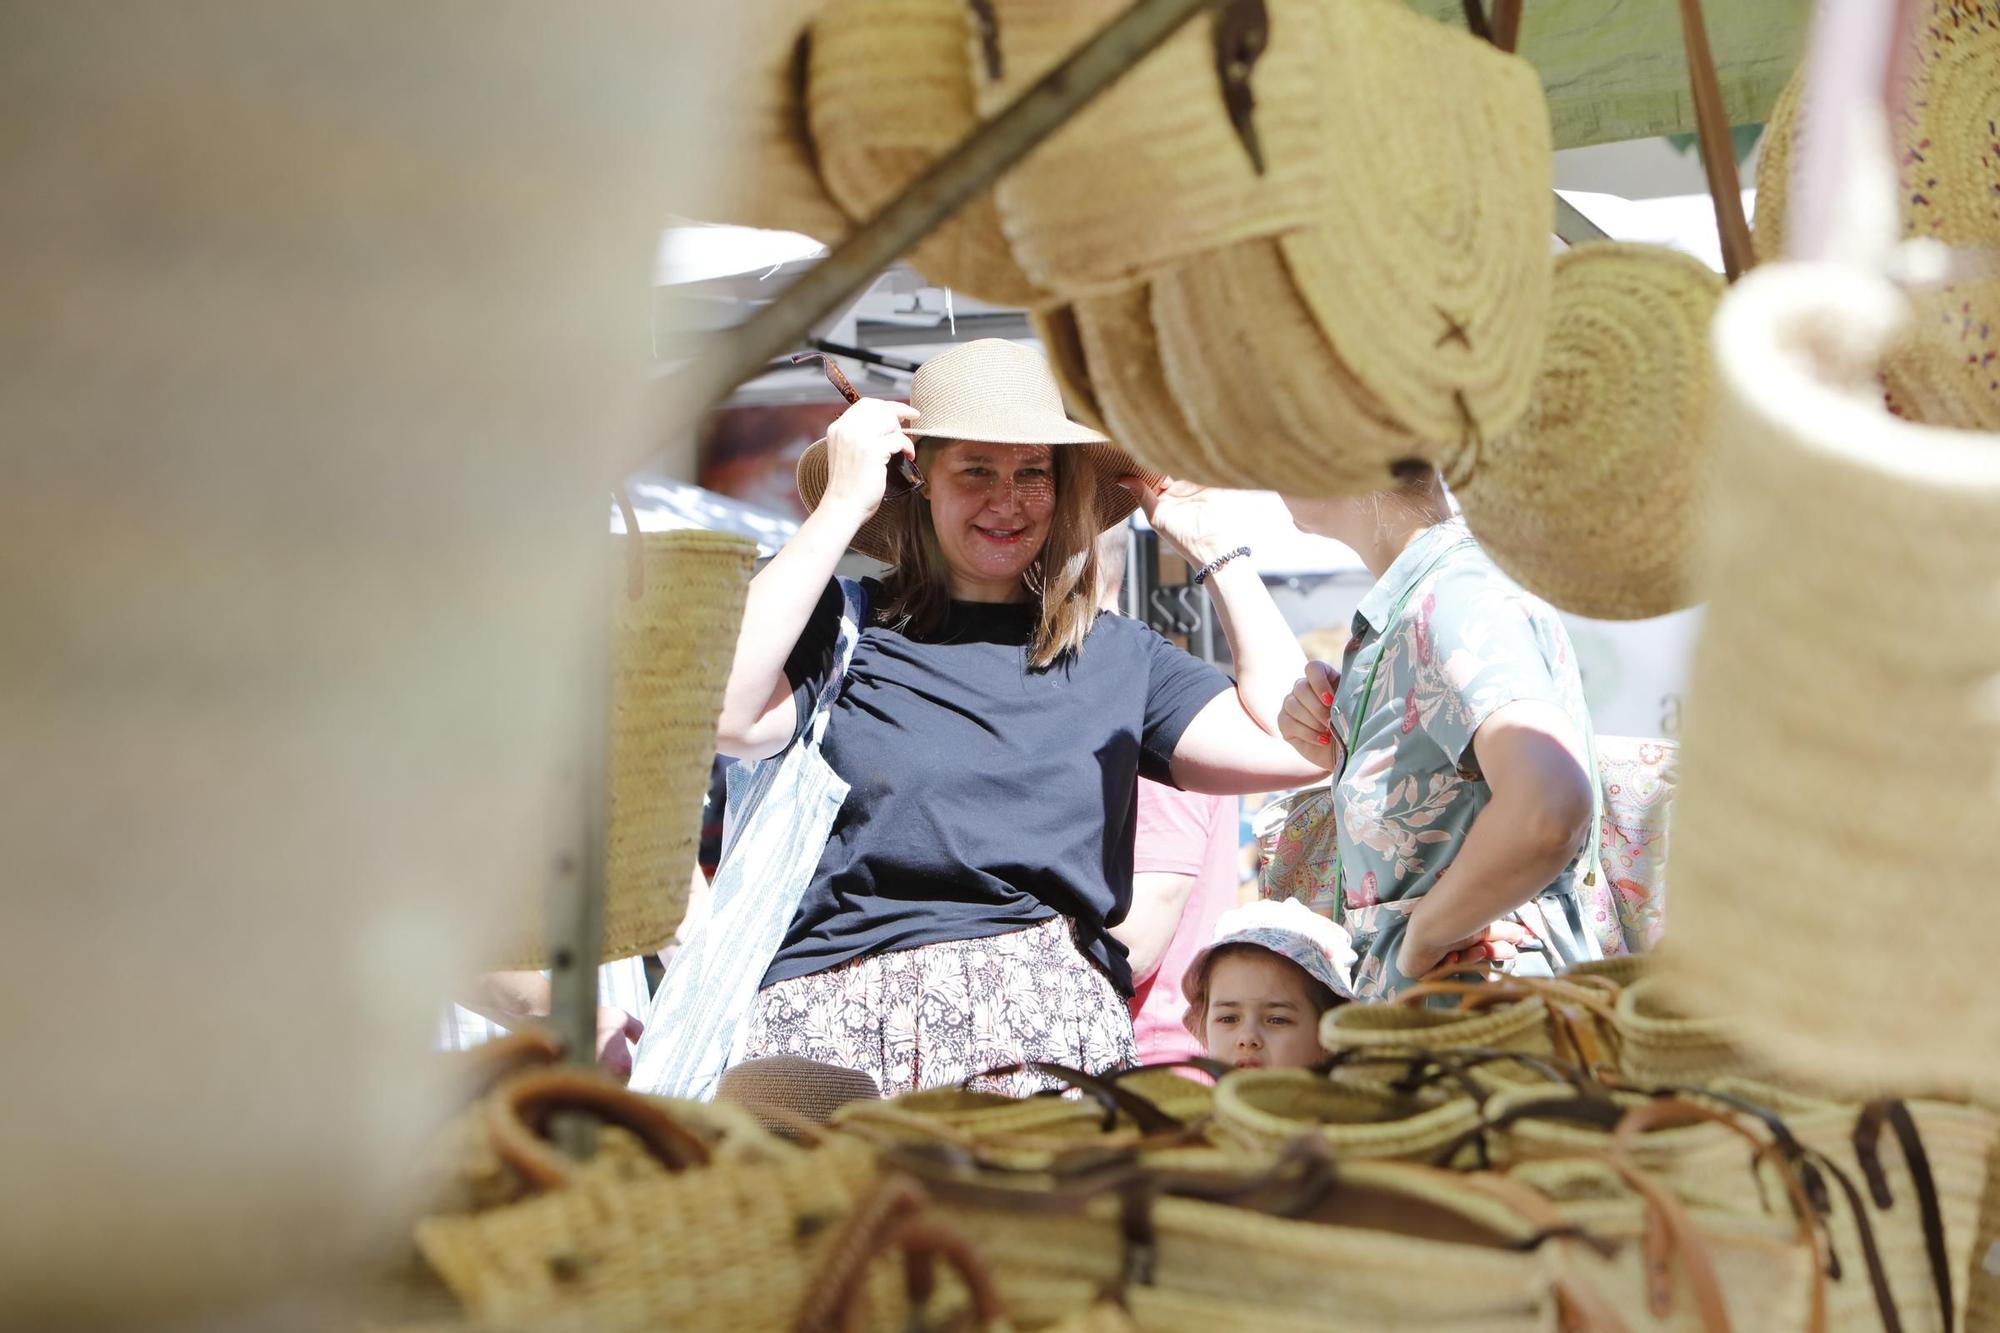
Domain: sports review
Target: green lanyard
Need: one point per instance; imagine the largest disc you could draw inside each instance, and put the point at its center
(1361, 711)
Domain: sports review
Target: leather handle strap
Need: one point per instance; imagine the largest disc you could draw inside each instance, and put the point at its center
(1241, 32)
(894, 1218)
(519, 1110)
(1503, 29)
(1201, 1064)
(1718, 152)
(635, 544)
(1105, 1092)
(1867, 1147)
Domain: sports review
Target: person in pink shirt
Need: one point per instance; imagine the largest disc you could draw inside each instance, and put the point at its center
(1184, 877)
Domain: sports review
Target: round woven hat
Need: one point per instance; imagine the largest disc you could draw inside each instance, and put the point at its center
(671, 647)
(1431, 276)
(1593, 501)
(769, 176)
(1116, 330)
(781, 1090)
(997, 392)
(1153, 171)
(1269, 404)
(1841, 743)
(889, 92)
(1062, 343)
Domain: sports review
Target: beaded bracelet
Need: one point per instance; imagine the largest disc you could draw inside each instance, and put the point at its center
(1201, 575)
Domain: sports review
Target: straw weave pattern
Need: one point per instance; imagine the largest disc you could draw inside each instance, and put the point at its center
(1116, 330)
(890, 92)
(1062, 342)
(670, 657)
(1590, 503)
(1443, 155)
(1841, 736)
(1152, 171)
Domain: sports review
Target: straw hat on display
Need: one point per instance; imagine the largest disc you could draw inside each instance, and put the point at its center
(1592, 502)
(1062, 343)
(1404, 323)
(767, 174)
(1840, 734)
(671, 647)
(889, 92)
(996, 392)
(1944, 368)
(1154, 170)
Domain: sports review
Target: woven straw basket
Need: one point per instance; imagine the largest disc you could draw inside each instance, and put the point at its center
(1130, 384)
(1945, 369)
(1269, 1108)
(1406, 322)
(1062, 342)
(1152, 171)
(770, 178)
(1842, 739)
(670, 656)
(889, 92)
(1590, 502)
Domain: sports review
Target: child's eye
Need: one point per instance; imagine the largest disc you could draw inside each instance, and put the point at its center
(1278, 1021)
(1227, 1020)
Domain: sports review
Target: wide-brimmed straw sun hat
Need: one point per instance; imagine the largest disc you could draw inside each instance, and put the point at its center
(1593, 501)
(1122, 358)
(673, 631)
(994, 392)
(1286, 928)
(1840, 730)
(1154, 170)
(888, 93)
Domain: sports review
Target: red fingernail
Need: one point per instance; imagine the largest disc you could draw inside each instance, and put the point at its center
(1326, 738)
(1326, 699)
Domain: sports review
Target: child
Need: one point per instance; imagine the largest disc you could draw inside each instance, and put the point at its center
(1256, 993)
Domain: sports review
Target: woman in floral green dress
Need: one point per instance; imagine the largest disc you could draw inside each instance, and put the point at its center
(1464, 795)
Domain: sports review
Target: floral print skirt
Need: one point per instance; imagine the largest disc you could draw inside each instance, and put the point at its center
(942, 1013)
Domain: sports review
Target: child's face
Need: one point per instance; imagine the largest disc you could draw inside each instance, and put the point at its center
(1260, 1013)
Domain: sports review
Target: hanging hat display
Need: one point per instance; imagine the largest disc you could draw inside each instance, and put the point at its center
(1593, 502)
(888, 93)
(1841, 743)
(1166, 162)
(673, 636)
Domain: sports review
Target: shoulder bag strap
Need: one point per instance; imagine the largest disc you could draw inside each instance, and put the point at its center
(853, 617)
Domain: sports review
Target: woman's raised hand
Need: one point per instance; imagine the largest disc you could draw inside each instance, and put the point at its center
(859, 448)
(1186, 517)
(1306, 720)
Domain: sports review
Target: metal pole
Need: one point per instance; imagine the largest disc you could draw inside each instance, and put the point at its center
(1573, 226)
(735, 355)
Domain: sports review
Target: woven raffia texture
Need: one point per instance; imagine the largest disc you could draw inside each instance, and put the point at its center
(766, 175)
(1116, 331)
(1268, 1108)
(670, 655)
(1945, 369)
(889, 92)
(1152, 170)
(1841, 742)
(1062, 342)
(1431, 275)
(1592, 501)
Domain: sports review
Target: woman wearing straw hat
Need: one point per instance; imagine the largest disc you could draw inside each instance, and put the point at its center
(1465, 799)
(991, 727)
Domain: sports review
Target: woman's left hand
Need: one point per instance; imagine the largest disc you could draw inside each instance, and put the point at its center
(1186, 516)
(1498, 942)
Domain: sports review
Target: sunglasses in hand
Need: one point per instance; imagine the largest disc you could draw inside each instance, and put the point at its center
(903, 474)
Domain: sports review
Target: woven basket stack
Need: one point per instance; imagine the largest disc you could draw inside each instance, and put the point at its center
(1492, 1153)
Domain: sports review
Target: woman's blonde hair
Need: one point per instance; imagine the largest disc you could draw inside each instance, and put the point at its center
(1063, 579)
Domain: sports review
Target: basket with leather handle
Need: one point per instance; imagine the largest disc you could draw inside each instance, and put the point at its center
(1554, 1019)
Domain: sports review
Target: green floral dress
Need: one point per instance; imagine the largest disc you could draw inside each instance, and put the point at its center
(1441, 642)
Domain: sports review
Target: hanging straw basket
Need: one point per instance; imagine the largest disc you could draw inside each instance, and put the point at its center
(768, 175)
(1809, 818)
(1591, 502)
(1130, 384)
(1153, 171)
(1062, 342)
(670, 653)
(888, 93)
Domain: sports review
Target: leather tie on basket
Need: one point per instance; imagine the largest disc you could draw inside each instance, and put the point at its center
(1242, 30)
(1718, 152)
(1867, 1138)
(988, 23)
(1106, 1093)
(895, 1218)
